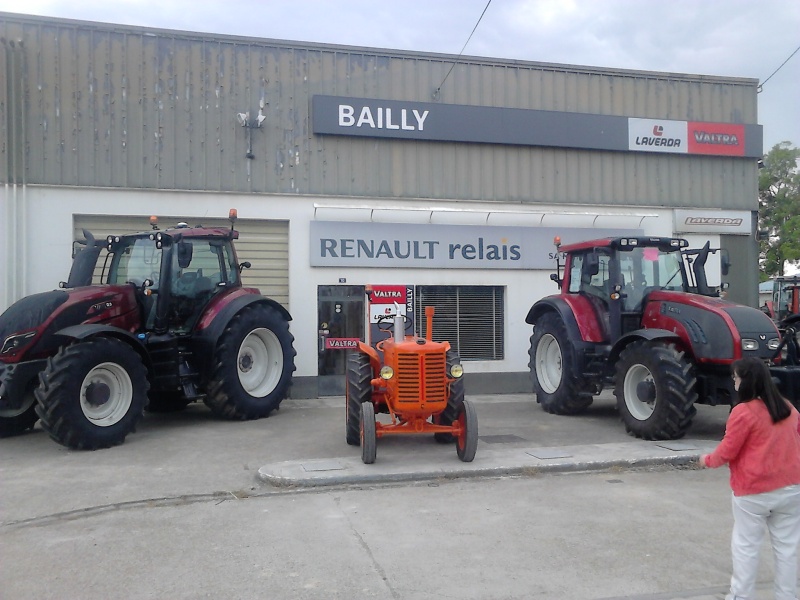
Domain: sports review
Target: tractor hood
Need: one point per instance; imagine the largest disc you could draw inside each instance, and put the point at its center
(716, 328)
(29, 326)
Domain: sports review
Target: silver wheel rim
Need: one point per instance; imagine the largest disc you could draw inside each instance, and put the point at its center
(639, 410)
(260, 362)
(9, 413)
(115, 380)
(548, 363)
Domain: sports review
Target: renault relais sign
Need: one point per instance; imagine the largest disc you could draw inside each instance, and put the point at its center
(395, 119)
(429, 246)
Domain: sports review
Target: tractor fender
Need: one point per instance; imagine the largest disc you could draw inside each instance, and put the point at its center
(648, 335)
(205, 340)
(559, 306)
(86, 331)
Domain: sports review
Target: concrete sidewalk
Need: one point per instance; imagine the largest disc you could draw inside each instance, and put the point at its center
(502, 449)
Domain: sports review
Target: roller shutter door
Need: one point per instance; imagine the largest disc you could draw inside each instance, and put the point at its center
(265, 244)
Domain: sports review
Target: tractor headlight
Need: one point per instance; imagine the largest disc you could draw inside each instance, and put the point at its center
(14, 342)
(456, 371)
(387, 372)
(749, 345)
(773, 344)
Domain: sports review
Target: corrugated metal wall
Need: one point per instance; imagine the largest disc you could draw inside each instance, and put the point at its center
(129, 107)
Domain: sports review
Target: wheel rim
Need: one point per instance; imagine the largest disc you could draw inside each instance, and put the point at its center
(106, 394)
(260, 362)
(548, 363)
(27, 401)
(639, 409)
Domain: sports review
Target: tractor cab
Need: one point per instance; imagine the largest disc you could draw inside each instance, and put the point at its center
(176, 272)
(617, 275)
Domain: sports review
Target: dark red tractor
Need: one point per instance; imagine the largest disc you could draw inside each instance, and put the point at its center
(636, 314)
(169, 324)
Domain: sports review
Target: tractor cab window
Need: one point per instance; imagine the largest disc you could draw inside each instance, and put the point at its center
(135, 260)
(644, 269)
(200, 269)
(590, 273)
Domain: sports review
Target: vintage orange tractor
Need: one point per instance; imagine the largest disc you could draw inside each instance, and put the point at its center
(414, 380)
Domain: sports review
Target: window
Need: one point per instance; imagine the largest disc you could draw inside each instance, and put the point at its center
(471, 318)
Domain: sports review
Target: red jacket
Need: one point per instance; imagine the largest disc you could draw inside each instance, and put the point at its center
(762, 455)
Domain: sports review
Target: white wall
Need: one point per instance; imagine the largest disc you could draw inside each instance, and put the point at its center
(48, 245)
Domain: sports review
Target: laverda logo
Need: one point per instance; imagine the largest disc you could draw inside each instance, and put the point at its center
(658, 139)
(725, 222)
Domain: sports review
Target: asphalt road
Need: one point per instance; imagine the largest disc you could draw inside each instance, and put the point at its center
(179, 511)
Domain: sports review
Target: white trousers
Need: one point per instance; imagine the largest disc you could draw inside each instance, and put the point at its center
(779, 512)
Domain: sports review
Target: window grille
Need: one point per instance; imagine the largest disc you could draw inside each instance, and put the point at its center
(470, 317)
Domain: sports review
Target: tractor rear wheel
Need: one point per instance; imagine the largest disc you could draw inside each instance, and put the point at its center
(454, 402)
(14, 421)
(253, 365)
(655, 390)
(358, 390)
(368, 433)
(559, 388)
(467, 441)
(92, 393)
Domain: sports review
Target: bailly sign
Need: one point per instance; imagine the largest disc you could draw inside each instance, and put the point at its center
(431, 246)
(369, 117)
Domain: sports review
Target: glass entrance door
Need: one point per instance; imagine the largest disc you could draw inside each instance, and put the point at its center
(340, 310)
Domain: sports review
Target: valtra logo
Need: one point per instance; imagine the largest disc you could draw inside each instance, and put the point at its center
(716, 138)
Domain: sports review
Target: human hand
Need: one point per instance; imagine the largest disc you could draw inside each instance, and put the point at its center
(701, 462)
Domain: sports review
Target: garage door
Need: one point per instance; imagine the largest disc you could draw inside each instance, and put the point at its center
(265, 244)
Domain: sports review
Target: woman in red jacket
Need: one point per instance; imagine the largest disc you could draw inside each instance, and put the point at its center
(762, 449)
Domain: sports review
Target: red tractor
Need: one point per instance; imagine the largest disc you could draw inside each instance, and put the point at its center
(414, 380)
(170, 324)
(637, 314)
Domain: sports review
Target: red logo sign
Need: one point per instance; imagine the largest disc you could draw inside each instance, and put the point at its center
(716, 138)
(341, 343)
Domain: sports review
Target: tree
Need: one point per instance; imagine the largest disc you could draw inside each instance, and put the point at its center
(779, 208)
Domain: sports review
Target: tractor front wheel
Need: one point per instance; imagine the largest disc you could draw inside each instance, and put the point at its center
(559, 387)
(92, 393)
(253, 365)
(454, 401)
(467, 440)
(655, 390)
(369, 436)
(14, 421)
(358, 390)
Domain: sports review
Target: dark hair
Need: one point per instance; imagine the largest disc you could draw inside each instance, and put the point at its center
(756, 382)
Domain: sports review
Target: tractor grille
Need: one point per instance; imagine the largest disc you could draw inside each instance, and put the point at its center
(421, 377)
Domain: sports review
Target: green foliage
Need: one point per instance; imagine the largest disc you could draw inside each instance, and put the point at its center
(779, 208)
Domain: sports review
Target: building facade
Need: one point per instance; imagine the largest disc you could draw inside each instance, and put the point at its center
(363, 176)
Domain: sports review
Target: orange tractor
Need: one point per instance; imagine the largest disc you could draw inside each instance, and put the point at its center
(414, 380)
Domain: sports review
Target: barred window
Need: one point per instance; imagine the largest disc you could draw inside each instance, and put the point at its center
(470, 317)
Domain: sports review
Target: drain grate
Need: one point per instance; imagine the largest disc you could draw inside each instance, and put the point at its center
(501, 439)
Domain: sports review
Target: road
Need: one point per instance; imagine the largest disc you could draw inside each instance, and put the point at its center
(179, 511)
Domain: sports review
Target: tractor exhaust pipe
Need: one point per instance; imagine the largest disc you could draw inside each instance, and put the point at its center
(429, 323)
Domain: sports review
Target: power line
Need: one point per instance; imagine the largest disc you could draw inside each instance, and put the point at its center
(438, 89)
(761, 85)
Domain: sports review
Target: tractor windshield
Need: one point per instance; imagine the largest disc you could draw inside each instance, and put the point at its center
(135, 260)
(646, 268)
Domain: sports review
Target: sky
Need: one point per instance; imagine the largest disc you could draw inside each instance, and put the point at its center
(737, 38)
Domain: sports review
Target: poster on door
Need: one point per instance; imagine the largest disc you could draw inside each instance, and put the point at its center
(384, 302)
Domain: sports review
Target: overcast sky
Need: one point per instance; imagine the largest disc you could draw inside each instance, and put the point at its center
(739, 38)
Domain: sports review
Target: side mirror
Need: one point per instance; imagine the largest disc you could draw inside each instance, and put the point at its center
(245, 265)
(724, 262)
(184, 254)
(591, 264)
